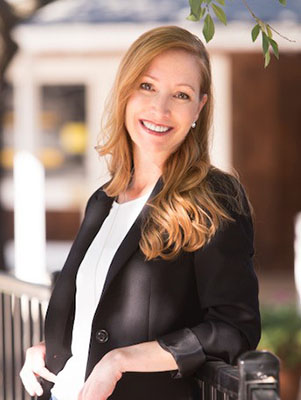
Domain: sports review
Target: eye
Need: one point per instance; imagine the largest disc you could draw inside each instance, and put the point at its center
(182, 96)
(145, 86)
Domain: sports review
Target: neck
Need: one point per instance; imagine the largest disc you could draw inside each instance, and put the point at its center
(147, 170)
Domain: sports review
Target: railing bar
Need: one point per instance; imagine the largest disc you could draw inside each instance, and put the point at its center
(219, 390)
(206, 391)
(223, 377)
(22, 349)
(13, 355)
(264, 394)
(10, 284)
(220, 395)
(7, 351)
(17, 345)
(41, 324)
(3, 348)
(30, 322)
(203, 390)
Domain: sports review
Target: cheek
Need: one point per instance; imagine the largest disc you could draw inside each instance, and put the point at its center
(129, 113)
(135, 100)
(186, 118)
(130, 120)
(185, 113)
(131, 108)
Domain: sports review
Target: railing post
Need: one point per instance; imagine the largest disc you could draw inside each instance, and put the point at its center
(259, 376)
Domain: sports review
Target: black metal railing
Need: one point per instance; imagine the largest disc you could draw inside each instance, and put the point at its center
(256, 377)
(22, 311)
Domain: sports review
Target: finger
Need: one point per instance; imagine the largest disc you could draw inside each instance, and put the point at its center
(31, 383)
(43, 372)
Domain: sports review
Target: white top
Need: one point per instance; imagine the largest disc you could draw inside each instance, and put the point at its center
(90, 281)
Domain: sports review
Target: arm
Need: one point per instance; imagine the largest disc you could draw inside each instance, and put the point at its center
(228, 293)
(144, 357)
(141, 357)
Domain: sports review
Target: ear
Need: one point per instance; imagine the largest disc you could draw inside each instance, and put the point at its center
(203, 101)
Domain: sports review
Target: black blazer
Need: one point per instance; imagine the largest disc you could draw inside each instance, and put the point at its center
(201, 306)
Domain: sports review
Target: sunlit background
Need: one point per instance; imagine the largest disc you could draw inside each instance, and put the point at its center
(60, 60)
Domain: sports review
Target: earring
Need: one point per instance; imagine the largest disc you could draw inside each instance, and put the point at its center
(193, 125)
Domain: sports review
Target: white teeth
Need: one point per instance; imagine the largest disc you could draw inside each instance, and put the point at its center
(156, 128)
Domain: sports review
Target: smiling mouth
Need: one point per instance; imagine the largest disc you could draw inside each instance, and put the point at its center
(154, 128)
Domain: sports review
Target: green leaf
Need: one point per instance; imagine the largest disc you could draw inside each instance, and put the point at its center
(208, 28)
(220, 13)
(283, 2)
(195, 8)
(265, 43)
(222, 2)
(196, 16)
(192, 17)
(267, 59)
(255, 32)
(275, 48)
(270, 34)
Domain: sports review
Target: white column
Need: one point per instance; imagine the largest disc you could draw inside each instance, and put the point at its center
(297, 263)
(29, 182)
(221, 141)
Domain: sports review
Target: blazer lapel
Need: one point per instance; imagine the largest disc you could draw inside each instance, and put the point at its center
(130, 243)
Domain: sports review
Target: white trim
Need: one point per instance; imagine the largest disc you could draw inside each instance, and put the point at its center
(87, 38)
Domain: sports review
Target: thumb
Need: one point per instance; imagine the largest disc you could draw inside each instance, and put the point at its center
(46, 374)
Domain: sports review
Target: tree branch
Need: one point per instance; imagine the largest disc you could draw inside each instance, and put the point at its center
(261, 22)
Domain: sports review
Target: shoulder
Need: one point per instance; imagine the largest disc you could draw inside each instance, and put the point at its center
(98, 195)
(228, 191)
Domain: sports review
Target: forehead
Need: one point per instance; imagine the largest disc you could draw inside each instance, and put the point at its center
(176, 64)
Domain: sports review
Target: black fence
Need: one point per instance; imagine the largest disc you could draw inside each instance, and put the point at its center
(22, 310)
(256, 377)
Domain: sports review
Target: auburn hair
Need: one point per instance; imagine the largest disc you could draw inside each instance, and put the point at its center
(189, 209)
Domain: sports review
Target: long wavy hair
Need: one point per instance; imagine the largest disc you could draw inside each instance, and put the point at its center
(188, 210)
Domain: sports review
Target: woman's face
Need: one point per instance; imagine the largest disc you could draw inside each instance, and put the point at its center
(164, 104)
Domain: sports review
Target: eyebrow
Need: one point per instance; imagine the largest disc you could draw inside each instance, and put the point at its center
(178, 84)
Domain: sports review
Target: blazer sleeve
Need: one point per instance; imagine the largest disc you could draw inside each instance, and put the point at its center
(228, 293)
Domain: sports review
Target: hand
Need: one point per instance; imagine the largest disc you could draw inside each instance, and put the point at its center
(33, 367)
(103, 378)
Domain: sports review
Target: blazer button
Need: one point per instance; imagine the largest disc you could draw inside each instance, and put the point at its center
(102, 336)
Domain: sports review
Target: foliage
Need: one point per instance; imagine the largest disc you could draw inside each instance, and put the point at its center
(203, 9)
(281, 334)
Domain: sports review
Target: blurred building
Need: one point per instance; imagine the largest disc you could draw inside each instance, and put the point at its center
(67, 59)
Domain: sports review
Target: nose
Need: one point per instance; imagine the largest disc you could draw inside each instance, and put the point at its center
(161, 104)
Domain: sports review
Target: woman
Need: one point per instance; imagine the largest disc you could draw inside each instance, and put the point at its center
(160, 277)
